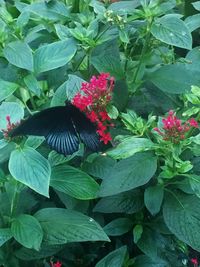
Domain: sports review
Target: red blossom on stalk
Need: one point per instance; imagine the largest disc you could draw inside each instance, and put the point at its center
(10, 126)
(173, 129)
(93, 98)
(57, 264)
(194, 261)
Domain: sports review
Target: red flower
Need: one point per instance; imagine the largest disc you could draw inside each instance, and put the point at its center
(173, 129)
(193, 123)
(93, 99)
(9, 127)
(57, 264)
(195, 262)
(106, 137)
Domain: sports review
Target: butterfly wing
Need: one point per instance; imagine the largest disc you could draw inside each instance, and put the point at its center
(55, 125)
(86, 129)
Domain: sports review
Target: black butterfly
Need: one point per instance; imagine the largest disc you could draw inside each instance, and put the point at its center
(63, 127)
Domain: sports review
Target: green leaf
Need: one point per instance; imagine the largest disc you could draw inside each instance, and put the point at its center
(196, 5)
(174, 79)
(54, 10)
(129, 173)
(153, 197)
(62, 31)
(99, 167)
(118, 227)
(7, 89)
(6, 151)
(61, 226)
(120, 95)
(19, 54)
(112, 112)
(127, 202)
(193, 22)
(182, 217)
(5, 235)
(124, 7)
(12, 109)
(32, 254)
(193, 57)
(145, 261)
(173, 31)
(29, 167)
(54, 55)
(106, 58)
(27, 231)
(32, 84)
(67, 90)
(34, 141)
(152, 243)
(73, 182)
(115, 258)
(194, 181)
(129, 146)
(137, 232)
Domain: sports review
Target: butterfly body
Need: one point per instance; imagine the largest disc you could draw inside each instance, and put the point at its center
(63, 127)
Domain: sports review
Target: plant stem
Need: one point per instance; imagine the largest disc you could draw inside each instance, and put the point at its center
(14, 200)
(144, 49)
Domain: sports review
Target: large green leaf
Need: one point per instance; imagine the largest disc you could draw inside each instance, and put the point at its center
(129, 173)
(153, 197)
(29, 167)
(193, 61)
(118, 226)
(127, 202)
(52, 56)
(67, 90)
(27, 231)
(193, 22)
(182, 216)
(19, 54)
(129, 146)
(113, 259)
(174, 79)
(124, 7)
(99, 166)
(12, 109)
(145, 261)
(61, 226)
(194, 181)
(54, 10)
(73, 182)
(106, 58)
(6, 89)
(32, 254)
(152, 243)
(5, 235)
(173, 31)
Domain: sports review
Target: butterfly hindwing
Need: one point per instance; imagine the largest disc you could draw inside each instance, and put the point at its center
(63, 139)
(86, 129)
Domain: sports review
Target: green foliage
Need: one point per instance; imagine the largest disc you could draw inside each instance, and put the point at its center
(136, 202)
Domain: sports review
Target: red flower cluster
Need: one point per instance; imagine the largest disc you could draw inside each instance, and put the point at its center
(9, 127)
(173, 129)
(57, 264)
(93, 99)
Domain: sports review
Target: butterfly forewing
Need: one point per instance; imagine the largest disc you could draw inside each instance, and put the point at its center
(55, 125)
